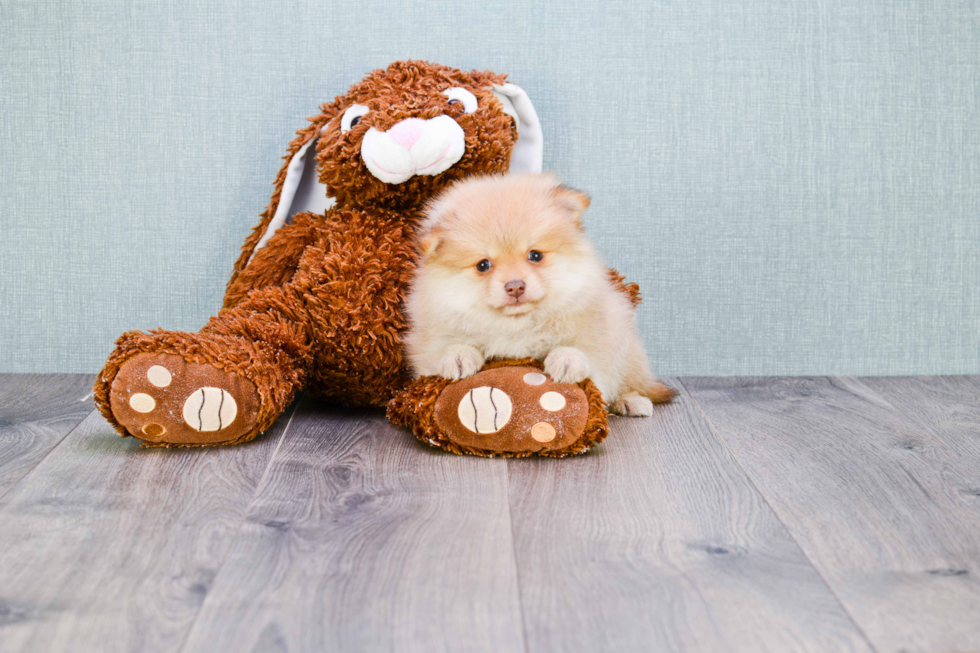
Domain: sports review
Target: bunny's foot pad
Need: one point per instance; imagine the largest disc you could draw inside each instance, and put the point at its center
(510, 408)
(164, 400)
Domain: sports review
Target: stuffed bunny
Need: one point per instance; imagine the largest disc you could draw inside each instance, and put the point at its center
(315, 300)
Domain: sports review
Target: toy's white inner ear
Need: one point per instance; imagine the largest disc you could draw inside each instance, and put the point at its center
(528, 153)
(301, 192)
(311, 195)
(508, 108)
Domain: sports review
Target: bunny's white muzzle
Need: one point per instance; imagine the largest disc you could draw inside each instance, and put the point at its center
(413, 147)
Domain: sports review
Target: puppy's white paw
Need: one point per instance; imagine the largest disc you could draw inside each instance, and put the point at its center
(567, 365)
(459, 362)
(633, 406)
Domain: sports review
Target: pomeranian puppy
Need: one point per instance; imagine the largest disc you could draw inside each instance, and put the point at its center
(505, 271)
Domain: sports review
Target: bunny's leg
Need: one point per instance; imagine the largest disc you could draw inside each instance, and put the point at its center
(510, 408)
(223, 385)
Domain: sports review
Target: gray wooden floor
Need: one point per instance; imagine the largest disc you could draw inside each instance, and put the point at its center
(762, 514)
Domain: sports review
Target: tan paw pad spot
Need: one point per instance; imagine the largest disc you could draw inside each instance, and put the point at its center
(552, 401)
(142, 403)
(209, 409)
(153, 430)
(534, 378)
(159, 376)
(484, 410)
(543, 432)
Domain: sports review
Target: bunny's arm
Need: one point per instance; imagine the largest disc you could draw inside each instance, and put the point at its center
(277, 261)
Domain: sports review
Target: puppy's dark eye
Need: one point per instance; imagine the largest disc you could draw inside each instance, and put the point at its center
(355, 120)
(484, 265)
(454, 101)
(534, 256)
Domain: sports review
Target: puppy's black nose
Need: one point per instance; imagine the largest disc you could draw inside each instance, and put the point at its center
(514, 288)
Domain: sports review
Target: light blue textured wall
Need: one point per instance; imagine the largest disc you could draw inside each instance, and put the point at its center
(795, 184)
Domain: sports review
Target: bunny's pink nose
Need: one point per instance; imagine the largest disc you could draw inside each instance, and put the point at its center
(407, 132)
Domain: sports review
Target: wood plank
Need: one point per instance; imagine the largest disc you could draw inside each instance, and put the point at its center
(36, 412)
(362, 539)
(882, 506)
(948, 407)
(110, 547)
(656, 541)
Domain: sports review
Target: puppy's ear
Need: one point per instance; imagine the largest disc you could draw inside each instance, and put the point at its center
(575, 202)
(429, 241)
(433, 228)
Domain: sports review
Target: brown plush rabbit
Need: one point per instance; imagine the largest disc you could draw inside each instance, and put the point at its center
(315, 300)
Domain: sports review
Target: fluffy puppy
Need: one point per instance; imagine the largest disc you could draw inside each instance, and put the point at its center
(505, 271)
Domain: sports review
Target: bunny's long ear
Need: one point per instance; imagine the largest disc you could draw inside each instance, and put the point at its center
(529, 149)
(297, 189)
(301, 191)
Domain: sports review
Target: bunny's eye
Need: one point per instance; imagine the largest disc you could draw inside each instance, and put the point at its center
(458, 94)
(352, 116)
(484, 265)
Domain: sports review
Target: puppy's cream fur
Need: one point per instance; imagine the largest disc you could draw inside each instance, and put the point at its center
(570, 315)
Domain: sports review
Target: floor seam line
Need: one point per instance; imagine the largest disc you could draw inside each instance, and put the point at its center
(241, 522)
(517, 567)
(775, 514)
